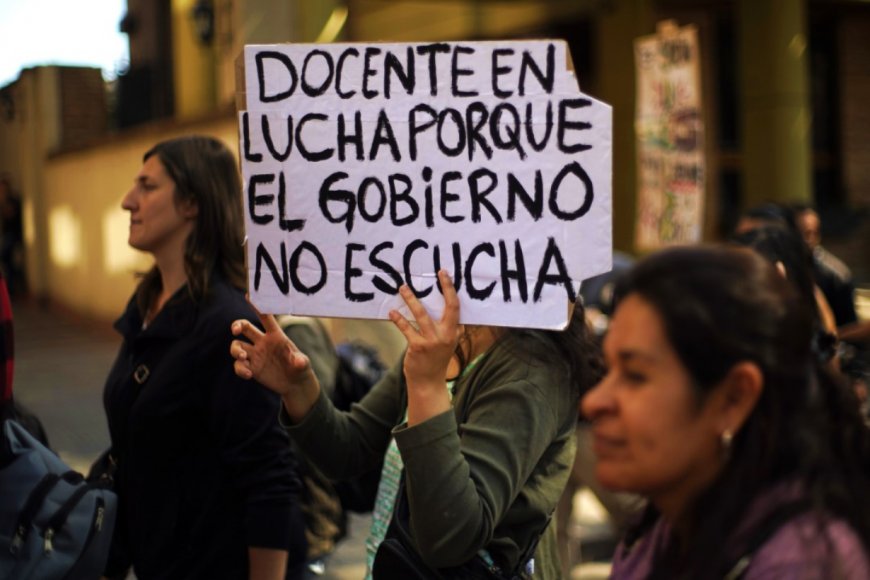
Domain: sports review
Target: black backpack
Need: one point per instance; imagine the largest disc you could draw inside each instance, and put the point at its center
(359, 368)
(354, 368)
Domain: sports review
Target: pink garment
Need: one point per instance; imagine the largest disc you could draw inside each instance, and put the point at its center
(807, 547)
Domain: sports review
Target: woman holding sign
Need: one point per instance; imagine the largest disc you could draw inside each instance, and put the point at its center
(476, 427)
(205, 479)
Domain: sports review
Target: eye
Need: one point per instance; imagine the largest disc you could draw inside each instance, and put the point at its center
(633, 376)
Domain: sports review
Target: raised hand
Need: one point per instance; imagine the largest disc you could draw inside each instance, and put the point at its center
(275, 362)
(431, 345)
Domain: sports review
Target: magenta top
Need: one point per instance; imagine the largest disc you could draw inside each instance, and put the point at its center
(806, 547)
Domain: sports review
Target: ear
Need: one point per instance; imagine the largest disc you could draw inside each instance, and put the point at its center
(188, 209)
(738, 395)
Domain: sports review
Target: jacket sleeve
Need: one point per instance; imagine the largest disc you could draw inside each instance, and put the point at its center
(343, 445)
(253, 448)
(461, 480)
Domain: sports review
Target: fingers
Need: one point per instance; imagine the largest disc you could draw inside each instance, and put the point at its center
(241, 364)
(450, 317)
(270, 324)
(242, 369)
(237, 350)
(299, 361)
(401, 323)
(424, 321)
(246, 329)
(427, 327)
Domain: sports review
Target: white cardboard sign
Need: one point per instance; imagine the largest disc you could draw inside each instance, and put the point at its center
(368, 166)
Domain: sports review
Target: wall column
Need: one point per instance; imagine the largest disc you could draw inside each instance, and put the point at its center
(194, 65)
(775, 101)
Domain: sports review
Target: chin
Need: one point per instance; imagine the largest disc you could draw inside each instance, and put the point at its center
(136, 246)
(612, 479)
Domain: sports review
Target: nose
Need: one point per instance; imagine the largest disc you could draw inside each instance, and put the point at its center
(128, 202)
(598, 401)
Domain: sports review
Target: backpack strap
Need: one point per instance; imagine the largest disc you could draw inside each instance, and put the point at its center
(763, 532)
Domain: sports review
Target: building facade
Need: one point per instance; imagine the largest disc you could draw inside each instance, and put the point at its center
(785, 84)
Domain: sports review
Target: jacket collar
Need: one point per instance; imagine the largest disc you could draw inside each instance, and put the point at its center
(175, 320)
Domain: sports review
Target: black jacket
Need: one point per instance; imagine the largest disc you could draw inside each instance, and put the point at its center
(204, 468)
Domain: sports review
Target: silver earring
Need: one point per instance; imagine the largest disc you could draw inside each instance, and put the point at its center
(726, 438)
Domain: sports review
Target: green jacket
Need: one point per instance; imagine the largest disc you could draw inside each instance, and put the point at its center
(487, 475)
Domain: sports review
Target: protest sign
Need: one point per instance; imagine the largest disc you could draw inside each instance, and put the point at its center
(670, 138)
(369, 166)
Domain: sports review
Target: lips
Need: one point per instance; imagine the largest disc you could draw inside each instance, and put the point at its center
(604, 445)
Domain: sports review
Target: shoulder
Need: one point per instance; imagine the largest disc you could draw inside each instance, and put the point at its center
(502, 366)
(505, 375)
(511, 357)
(636, 560)
(812, 546)
(221, 305)
(833, 265)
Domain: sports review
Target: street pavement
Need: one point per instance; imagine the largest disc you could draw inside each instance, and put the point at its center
(61, 362)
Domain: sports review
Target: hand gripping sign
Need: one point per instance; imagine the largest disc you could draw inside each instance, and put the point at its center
(369, 166)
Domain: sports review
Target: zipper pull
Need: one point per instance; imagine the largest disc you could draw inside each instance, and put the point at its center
(47, 545)
(98, 524)
(17, 540)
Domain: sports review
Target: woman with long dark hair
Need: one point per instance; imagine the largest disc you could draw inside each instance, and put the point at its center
(477, 425)
(755, 461)
(205, 479)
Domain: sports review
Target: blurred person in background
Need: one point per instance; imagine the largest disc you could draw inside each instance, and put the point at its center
(11, 238)
(766, 214)
(7, 372)
(784, 249)
(10, 408)
(840, 346)
(776, 215)
(832, 275)
(754, 458)
(7, 351)
(205, 477)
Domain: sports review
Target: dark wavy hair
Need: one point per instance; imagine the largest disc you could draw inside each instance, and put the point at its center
(574, 350)
(783, 245)
(205, 172)
(724, 305)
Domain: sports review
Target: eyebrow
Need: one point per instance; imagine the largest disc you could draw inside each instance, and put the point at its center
(630, 355)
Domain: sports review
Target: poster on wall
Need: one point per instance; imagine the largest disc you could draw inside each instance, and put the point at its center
(669, 130)
(370, 166)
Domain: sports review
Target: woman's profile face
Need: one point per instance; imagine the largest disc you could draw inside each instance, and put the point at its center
(651, 435)
(157, 223)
